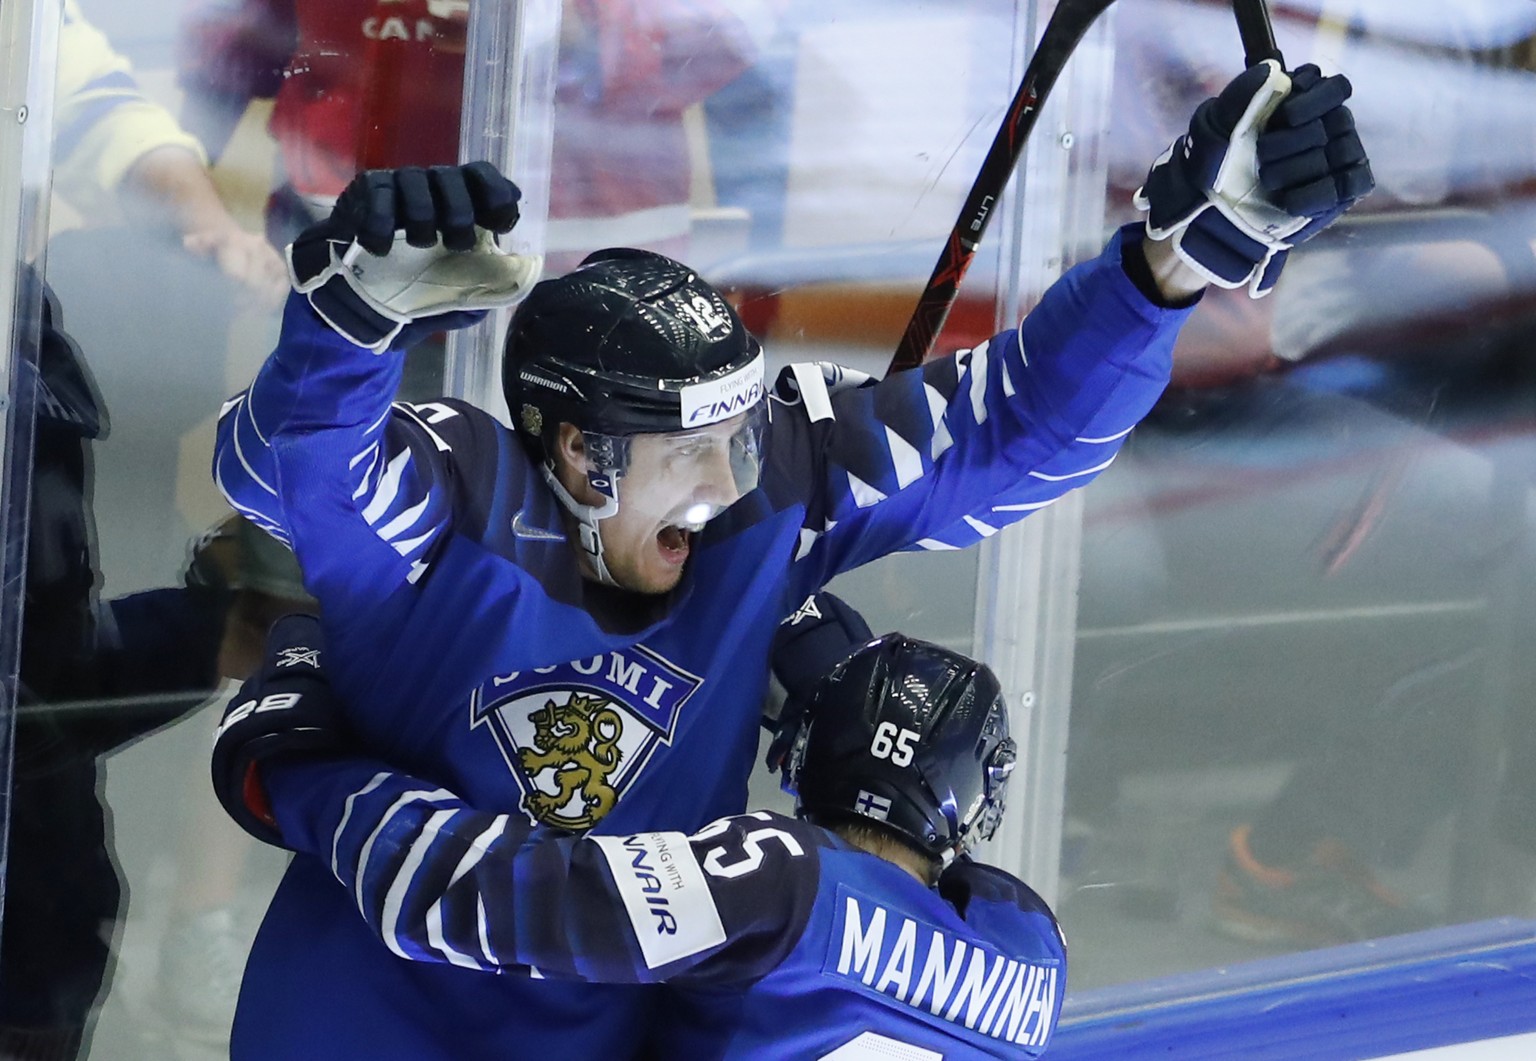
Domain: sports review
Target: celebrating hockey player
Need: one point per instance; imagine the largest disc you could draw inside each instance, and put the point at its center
(570, 619)
(864, 925)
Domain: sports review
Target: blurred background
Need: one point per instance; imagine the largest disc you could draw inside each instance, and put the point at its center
(1273, 667)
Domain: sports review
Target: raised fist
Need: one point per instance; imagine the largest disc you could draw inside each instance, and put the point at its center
(411, 244)
(1266, 164)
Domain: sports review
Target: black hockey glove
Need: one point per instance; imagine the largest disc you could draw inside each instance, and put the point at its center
(817, 637)
(286, 710)
(1268, 163)
(411, 244)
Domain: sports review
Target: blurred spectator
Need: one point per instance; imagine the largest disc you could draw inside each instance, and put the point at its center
(118, 154)
(96, 675)
(1433, 294)
(156, 269)
(378, 83)
(1421, 302)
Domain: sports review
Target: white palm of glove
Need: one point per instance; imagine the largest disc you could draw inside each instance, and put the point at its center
(1268, 163)
(1236, 191)
(1233, 190)
(410, 283)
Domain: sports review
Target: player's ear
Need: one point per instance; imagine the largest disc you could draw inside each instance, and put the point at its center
(570, 455)
(570, 448)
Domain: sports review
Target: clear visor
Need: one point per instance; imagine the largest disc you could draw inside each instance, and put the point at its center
(681, 478)
(998, 768)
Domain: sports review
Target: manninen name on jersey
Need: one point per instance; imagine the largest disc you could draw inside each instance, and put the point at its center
(576, 735)
(938, 974)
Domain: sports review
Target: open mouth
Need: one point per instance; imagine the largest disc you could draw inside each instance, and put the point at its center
(673, 542)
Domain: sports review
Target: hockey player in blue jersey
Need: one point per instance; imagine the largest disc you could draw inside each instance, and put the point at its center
(862, 931)
(570, 619)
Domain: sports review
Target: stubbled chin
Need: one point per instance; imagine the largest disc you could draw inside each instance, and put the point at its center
(663, 578)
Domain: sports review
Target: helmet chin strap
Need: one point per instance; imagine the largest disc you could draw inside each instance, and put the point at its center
(587, 516)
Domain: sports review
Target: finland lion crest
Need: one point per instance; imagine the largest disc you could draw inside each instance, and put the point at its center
(578, 742)
(577, 735)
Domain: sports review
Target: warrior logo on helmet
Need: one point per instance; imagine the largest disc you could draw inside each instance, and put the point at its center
(618, 345)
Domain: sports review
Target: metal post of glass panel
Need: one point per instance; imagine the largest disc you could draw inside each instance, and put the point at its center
(1026, 593)
(509, 89)
(28, 54)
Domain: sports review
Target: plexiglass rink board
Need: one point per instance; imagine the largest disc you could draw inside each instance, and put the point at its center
(1296, 701)
(26, 99)
(1301, 693)
(190, 145)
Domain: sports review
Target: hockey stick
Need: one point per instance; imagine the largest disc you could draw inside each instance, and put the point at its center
(1065, 29)
(1258, 34)
(1067, 25)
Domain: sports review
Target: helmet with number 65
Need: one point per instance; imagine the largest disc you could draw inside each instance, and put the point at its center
(910, 735)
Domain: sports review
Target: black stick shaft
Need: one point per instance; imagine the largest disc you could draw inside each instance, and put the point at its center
(1257, 32)
(1065, 29)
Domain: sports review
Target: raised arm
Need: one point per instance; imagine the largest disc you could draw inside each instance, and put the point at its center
(313, 452)
(1016, 422)
(943, 456)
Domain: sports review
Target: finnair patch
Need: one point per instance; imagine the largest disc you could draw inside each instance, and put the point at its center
(669, 903)
(720, 399)
(872, 806)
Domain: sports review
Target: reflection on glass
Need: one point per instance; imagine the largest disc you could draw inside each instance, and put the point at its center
(104, 664)
(1299, 704)
(360, 84)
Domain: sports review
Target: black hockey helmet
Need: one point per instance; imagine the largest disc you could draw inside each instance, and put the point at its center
(909, 734)
(629, 341)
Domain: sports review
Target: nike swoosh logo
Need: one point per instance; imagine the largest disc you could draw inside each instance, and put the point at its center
(530, 533)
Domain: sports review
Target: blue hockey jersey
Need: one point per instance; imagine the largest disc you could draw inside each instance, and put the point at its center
(781, 939)
(471, 652)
